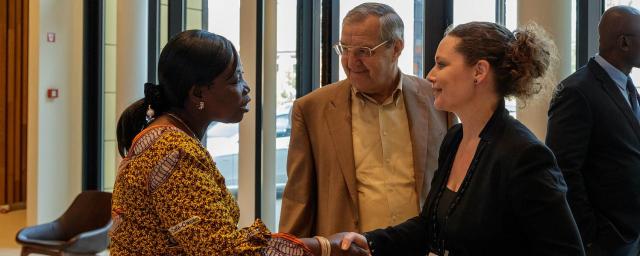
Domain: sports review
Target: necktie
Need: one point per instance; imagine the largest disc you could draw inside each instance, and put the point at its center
(633, 98)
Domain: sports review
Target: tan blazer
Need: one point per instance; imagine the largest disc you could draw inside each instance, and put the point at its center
(321, 196)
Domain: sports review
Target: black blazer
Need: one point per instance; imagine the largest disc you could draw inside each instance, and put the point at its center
(596, 139)
(514, 204)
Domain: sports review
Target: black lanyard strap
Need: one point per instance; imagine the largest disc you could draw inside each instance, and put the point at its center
(438, 241)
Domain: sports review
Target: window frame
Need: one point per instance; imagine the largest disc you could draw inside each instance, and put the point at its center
(307, 45)
(93, 88)
(588, 16)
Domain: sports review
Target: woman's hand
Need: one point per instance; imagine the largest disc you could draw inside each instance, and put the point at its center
(349, 243)
(342, 244)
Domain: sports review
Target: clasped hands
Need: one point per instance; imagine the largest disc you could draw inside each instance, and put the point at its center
(342, 244)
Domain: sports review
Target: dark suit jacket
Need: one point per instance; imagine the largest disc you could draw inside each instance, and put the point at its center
(596, 140)
(514, 204)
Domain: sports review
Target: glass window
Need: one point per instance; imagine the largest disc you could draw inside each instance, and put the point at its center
(164, 23)
(511, 22)
(194, 14)
(635, 73)
(225, 21)
(412, 13)
(286, 89)
(222, 139)
(511, 14)
(473, 10)
(574, 17)
(110, 155)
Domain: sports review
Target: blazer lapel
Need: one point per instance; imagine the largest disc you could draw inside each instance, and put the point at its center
(416, 107)
(338, 118)
(609, 86)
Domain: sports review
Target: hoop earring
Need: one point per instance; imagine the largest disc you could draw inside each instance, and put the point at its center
(201, 105)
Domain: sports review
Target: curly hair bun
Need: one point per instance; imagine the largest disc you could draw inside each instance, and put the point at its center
(518, 58)
(531, 56)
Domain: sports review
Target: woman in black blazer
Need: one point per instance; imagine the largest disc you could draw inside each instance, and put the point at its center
(498, 189)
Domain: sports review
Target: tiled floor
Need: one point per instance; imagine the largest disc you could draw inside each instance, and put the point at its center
(9, 252)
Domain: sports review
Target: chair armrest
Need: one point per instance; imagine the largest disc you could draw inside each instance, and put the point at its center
(93, 241)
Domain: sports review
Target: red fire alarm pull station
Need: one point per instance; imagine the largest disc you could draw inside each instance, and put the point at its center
(51, 37)
(52, 93)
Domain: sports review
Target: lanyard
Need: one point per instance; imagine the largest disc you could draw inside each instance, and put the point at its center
(438, 243)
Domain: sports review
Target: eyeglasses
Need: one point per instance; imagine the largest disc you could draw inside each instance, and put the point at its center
(357, 51)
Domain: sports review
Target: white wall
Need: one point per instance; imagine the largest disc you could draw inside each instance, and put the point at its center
(555, 17)
(54, 170)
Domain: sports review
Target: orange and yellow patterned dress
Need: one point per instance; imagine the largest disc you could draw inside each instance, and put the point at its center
(170, 199)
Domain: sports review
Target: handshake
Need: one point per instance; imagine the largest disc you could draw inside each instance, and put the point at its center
(345, 243)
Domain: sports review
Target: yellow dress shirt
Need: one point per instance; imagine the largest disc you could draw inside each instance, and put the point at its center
(382, 150)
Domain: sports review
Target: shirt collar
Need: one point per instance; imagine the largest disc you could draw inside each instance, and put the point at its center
(364, 98)
(616, 75)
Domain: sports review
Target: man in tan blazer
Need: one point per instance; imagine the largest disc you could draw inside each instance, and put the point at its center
(363, 150)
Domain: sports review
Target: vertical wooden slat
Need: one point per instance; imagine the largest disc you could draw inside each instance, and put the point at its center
(17, 124)
(24, 96)
(16, 101)
(11, 82)
(13, 100)
(3, 88)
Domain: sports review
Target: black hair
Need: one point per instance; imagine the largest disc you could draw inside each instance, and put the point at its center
(190, 58)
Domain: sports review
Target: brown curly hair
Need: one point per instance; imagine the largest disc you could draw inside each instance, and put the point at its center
(518, 57)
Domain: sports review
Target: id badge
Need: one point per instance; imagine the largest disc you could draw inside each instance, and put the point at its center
(446, 253)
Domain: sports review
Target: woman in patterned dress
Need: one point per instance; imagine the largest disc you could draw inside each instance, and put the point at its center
(169, 198)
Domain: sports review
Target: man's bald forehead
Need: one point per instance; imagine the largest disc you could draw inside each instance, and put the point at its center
(617, 21)
(618, 16)
(621, 9)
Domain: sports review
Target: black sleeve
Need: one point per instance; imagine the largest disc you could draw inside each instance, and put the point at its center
(408, 238)
(536, 194)
(568, 135)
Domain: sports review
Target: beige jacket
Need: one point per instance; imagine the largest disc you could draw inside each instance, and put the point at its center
(321, 196)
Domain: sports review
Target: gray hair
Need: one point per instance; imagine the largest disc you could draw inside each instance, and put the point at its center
(391, 25)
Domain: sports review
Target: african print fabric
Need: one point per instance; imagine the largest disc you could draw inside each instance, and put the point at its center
(170, 199)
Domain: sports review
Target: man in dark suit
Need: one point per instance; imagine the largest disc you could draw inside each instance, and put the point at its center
(594, 131)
